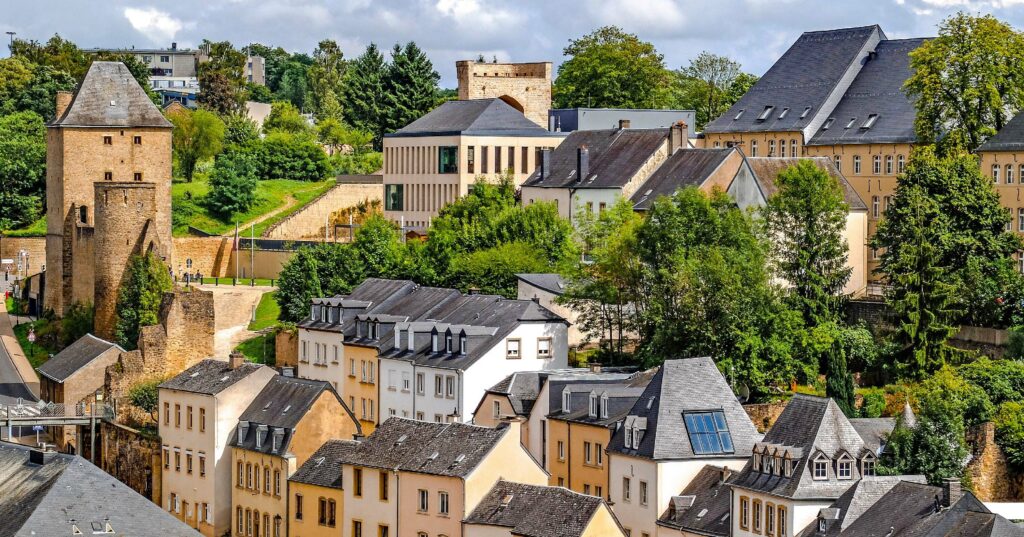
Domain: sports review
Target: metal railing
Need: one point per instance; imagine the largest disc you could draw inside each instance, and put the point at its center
(28, 411)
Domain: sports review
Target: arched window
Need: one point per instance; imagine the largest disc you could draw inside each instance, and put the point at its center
(277, 526)
(901, 163)
(995, 173)
(856, 164)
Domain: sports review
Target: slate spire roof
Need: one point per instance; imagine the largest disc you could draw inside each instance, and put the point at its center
(68, 492)
(689, 385)
(473, 117)
(535, 511)
(109, 96)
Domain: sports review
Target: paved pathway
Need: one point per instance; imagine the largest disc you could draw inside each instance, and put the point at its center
(17, 378)
(289, 202)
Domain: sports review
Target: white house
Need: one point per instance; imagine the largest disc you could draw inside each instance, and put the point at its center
(687, 417)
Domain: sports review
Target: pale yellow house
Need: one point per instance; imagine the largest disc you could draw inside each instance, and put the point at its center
(284, 425)
(413, 478)
(315, 492)
(434, 160)
(199, 409)
(524, 510)
(1002, 158)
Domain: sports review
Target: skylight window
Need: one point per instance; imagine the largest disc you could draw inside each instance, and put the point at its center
(852, 121)
(806, 111)
(709, 432)
(783, 113)
(870, 122)
(828, 123)
(739, 114)
(767, 112)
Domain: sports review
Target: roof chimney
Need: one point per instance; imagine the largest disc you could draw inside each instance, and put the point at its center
(582, 163)
(287, 371)
(725, 474)
(624, 123)
(63, 102)
(174, 46)
(545, 163)
(551, 123)
(40, 457)
(678, 137)
(595, 367)
(236, 359)
(951, 491)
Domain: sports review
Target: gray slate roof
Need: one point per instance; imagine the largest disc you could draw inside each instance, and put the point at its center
(874, 431)
(909, 510)
(535, 511)
(109, 96)
(878, 89)
(323, 468)
(550, 282)
(474, 117)
(691, 384)
(806, 75)
(1009, 138)
(48, 499)
(446, 449)
(767, 169)
(615, 156)
(280, 406)
(808, 426)
(523, 387)
(857, 499)
(371, 294)
(210, 377)
(685, 167)
(75, 356)
(621, 394)
(703, 507)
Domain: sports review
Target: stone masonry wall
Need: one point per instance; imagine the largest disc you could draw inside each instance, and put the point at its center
(764, 415)
(209, 255)
(308, 222)
(525, 86)
(286, 348)
(990, 473)
(35, 247)
(132, 458)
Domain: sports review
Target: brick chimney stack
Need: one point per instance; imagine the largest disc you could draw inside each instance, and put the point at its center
(678, 137)
(582, 163)
(236, 359)
(63, 102)
(951, 491)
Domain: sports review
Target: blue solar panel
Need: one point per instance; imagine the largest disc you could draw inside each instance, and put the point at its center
(708, 432)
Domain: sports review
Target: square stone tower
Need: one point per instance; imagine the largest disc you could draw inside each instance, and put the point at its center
(524, 86)
(109, 131)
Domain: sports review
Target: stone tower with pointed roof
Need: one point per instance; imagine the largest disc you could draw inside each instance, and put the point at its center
(108, 143)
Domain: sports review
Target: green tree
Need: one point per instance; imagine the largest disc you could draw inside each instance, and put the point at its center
(15, 74)
(610, 68)
(222, 78)
(138, 300)
(410, 86)
(57, 52)
(363, 90)
(240, 131)
(1010, 432)
(806, 220)
(258, 93)
(22, 168)
(40, 95)
(232, 183)
(325, 80)
(284, 117)
(77, 322)
(294, 85)
(197, 135)
(316, 271)
(288, 156)
(274, 60)
(146, 396)
(969, 81)
(838, 380)
(493, 270)
(379, 248)
(706, 86)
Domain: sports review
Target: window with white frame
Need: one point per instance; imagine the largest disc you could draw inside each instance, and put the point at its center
(420, 384)
(995, 173)
(901, 163)
(449, 387)
(876, 165)
(566, 399)
(442, 503)
(512, 348)
(856, 164)
(1009, 174)
(626, 485)
(406, 382)
(643, 492)
(593, 405)
(544, 347)
(839, 162)
(604, 406)
(438, 386)
(424, 501)
(844, 468)
(820, 468)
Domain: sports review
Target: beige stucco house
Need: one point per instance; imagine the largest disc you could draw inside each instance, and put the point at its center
(199, 409)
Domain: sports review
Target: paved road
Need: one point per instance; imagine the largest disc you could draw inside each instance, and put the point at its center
(12, 386)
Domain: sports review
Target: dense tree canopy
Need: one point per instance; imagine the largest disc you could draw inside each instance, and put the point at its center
(197, 135)
(22, 168)
(709, 85)
(138, 300)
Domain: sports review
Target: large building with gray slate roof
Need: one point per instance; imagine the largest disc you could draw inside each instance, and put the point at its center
(50, 494)
(836, 94)
(531, 511)
(686, 418)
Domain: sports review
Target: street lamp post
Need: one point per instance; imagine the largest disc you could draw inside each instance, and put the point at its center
(11, 34)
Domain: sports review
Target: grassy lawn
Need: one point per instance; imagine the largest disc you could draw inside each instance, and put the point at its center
(35, 229)
(36, 353)
(270, 195)
(259, 349)
(240, 281)
(267, 312)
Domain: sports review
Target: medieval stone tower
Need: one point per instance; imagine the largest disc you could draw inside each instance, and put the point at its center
(524, 86)
(108, 141)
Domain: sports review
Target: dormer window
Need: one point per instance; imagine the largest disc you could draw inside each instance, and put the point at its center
(448, 343)
(243, 428)
(783, 113)
(820, 468)
(566, 398)
(463, 346)
(867, 465)
(757, 460)
(806, 111)
(636, 438)
(604, 406)
(766, 464)
(433, 343)
(593, 405)
(788, 467)
(628, 438)
(767, 112)
(844, 467)
(821, 524)
(872, 118)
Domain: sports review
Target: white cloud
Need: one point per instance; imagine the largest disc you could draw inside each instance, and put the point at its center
(642, 15)
(158, 25)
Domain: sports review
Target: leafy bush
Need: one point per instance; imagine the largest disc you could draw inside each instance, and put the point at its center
(232, 184)
(138, 302)
(287, 156)
(77, 322)
(1010, 431)
(146, 395)
(873, 405)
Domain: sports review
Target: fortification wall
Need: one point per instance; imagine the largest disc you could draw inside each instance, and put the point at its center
(308, 222)
(208, 255)
(525, 86)
(35, 247)
(132, 458)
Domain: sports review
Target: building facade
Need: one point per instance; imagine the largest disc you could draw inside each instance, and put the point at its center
(198, 411)
(523, 86)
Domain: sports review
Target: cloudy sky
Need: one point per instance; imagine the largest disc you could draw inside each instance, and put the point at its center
(755, 32)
